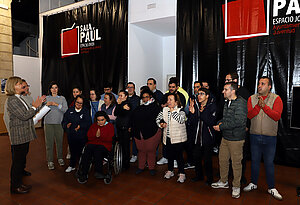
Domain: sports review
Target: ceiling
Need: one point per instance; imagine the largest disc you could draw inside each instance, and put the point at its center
(162, 27)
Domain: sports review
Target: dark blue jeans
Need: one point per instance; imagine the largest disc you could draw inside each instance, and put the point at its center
(262, 145)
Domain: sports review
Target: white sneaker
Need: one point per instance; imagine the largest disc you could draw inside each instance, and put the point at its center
(133, 159)
(61, 162)
(175, 164)
(275, 193)
(250, 187)
(181, 178)
(169, 174)
(51, 166)
(69, 169)
(236, 191)
(220, 184)
(162, 161)
(68, 156)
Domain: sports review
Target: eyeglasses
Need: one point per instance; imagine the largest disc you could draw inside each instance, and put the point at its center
(130, 87)
(201, 94)
(149, 83)
(228, 80)
(147, 96)
(197, 87)
(78, 103)
(106, 89)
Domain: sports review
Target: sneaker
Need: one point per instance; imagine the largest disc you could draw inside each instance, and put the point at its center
(220, 184)
(175, 164)
(250, 187)
(61, 162)
(216, 150)
(138, 171)
(82, 180)
(68, 156)
(236, 191)
(169, 174)
(275, 193)
(181, 178)
(105, 160)
(69, 169)
(51, 166)
(189, 166)
(162, 161)
(133, 159)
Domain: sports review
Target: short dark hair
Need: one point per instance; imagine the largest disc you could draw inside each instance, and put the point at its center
(233, 86)
(204, 81)
(131, 83)
(154, 81)
(267, 77)
(174, 80)
(125, 92)
(107, 85)
(77, 87)
(176, 97)
(144, 87)
(50, 86)
(207, 92)
(79, 96)
(148, 91)
(197, 81)
(102, 113)
(234, 75)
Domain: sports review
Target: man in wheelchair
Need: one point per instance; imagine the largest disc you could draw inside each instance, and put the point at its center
(99, 144)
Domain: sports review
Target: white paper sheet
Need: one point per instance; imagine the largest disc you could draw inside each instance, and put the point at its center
(41, 114)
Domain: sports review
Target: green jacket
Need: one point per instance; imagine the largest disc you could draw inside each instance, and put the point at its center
(234, 119)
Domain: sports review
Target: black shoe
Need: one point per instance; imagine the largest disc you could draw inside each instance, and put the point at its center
(138, 171)
(26, 173)
(19, 190)
(208, 182)
(152, 172)
(26, 186)
(196, 179)
(99, 175)
(82, 180)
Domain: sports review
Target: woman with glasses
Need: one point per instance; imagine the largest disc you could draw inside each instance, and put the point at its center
(100, 137)
(145, 131)
(53, 129)
(76, 123)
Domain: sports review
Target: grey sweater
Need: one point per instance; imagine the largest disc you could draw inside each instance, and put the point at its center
(56, 114)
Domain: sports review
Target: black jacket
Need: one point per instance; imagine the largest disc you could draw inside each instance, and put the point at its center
(143, 120)
(208, 118)
(123, 115)
(134, 101)
(234, 119)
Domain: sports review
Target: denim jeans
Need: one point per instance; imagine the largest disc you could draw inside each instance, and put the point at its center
(262, 145)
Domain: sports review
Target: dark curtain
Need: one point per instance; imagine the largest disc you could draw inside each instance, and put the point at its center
(202, 54)
(107, 63)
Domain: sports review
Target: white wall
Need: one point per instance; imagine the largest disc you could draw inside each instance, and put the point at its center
(145, 56)
(169, 59)
(143, 10)
(28, 68)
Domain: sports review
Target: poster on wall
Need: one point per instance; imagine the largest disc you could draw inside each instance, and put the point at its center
(86, 47)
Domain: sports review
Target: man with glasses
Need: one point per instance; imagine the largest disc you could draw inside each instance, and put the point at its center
(108, 89)
(201, 118)
(134, 101)
(157, 94)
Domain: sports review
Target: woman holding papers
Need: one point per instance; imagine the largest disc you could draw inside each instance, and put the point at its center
(52, 121)
(21, 130)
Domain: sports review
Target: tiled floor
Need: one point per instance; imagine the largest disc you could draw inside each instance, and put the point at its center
(56, 187)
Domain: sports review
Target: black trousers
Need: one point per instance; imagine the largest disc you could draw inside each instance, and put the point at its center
(76, 146)
(175, 152)
(203, 153)
(18, 164)
(95, 153)
(124, 140)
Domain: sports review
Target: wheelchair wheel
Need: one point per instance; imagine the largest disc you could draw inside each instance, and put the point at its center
(117, 162)
(107, 179)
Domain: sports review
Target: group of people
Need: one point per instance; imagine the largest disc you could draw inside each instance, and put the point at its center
(181, 122)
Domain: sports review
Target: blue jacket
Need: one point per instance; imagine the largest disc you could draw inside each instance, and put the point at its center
(81, 118)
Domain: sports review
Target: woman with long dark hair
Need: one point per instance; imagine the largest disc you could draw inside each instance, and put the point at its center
(52, 124)
(94, 103)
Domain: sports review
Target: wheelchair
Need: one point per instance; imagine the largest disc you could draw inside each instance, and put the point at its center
(112, 163)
